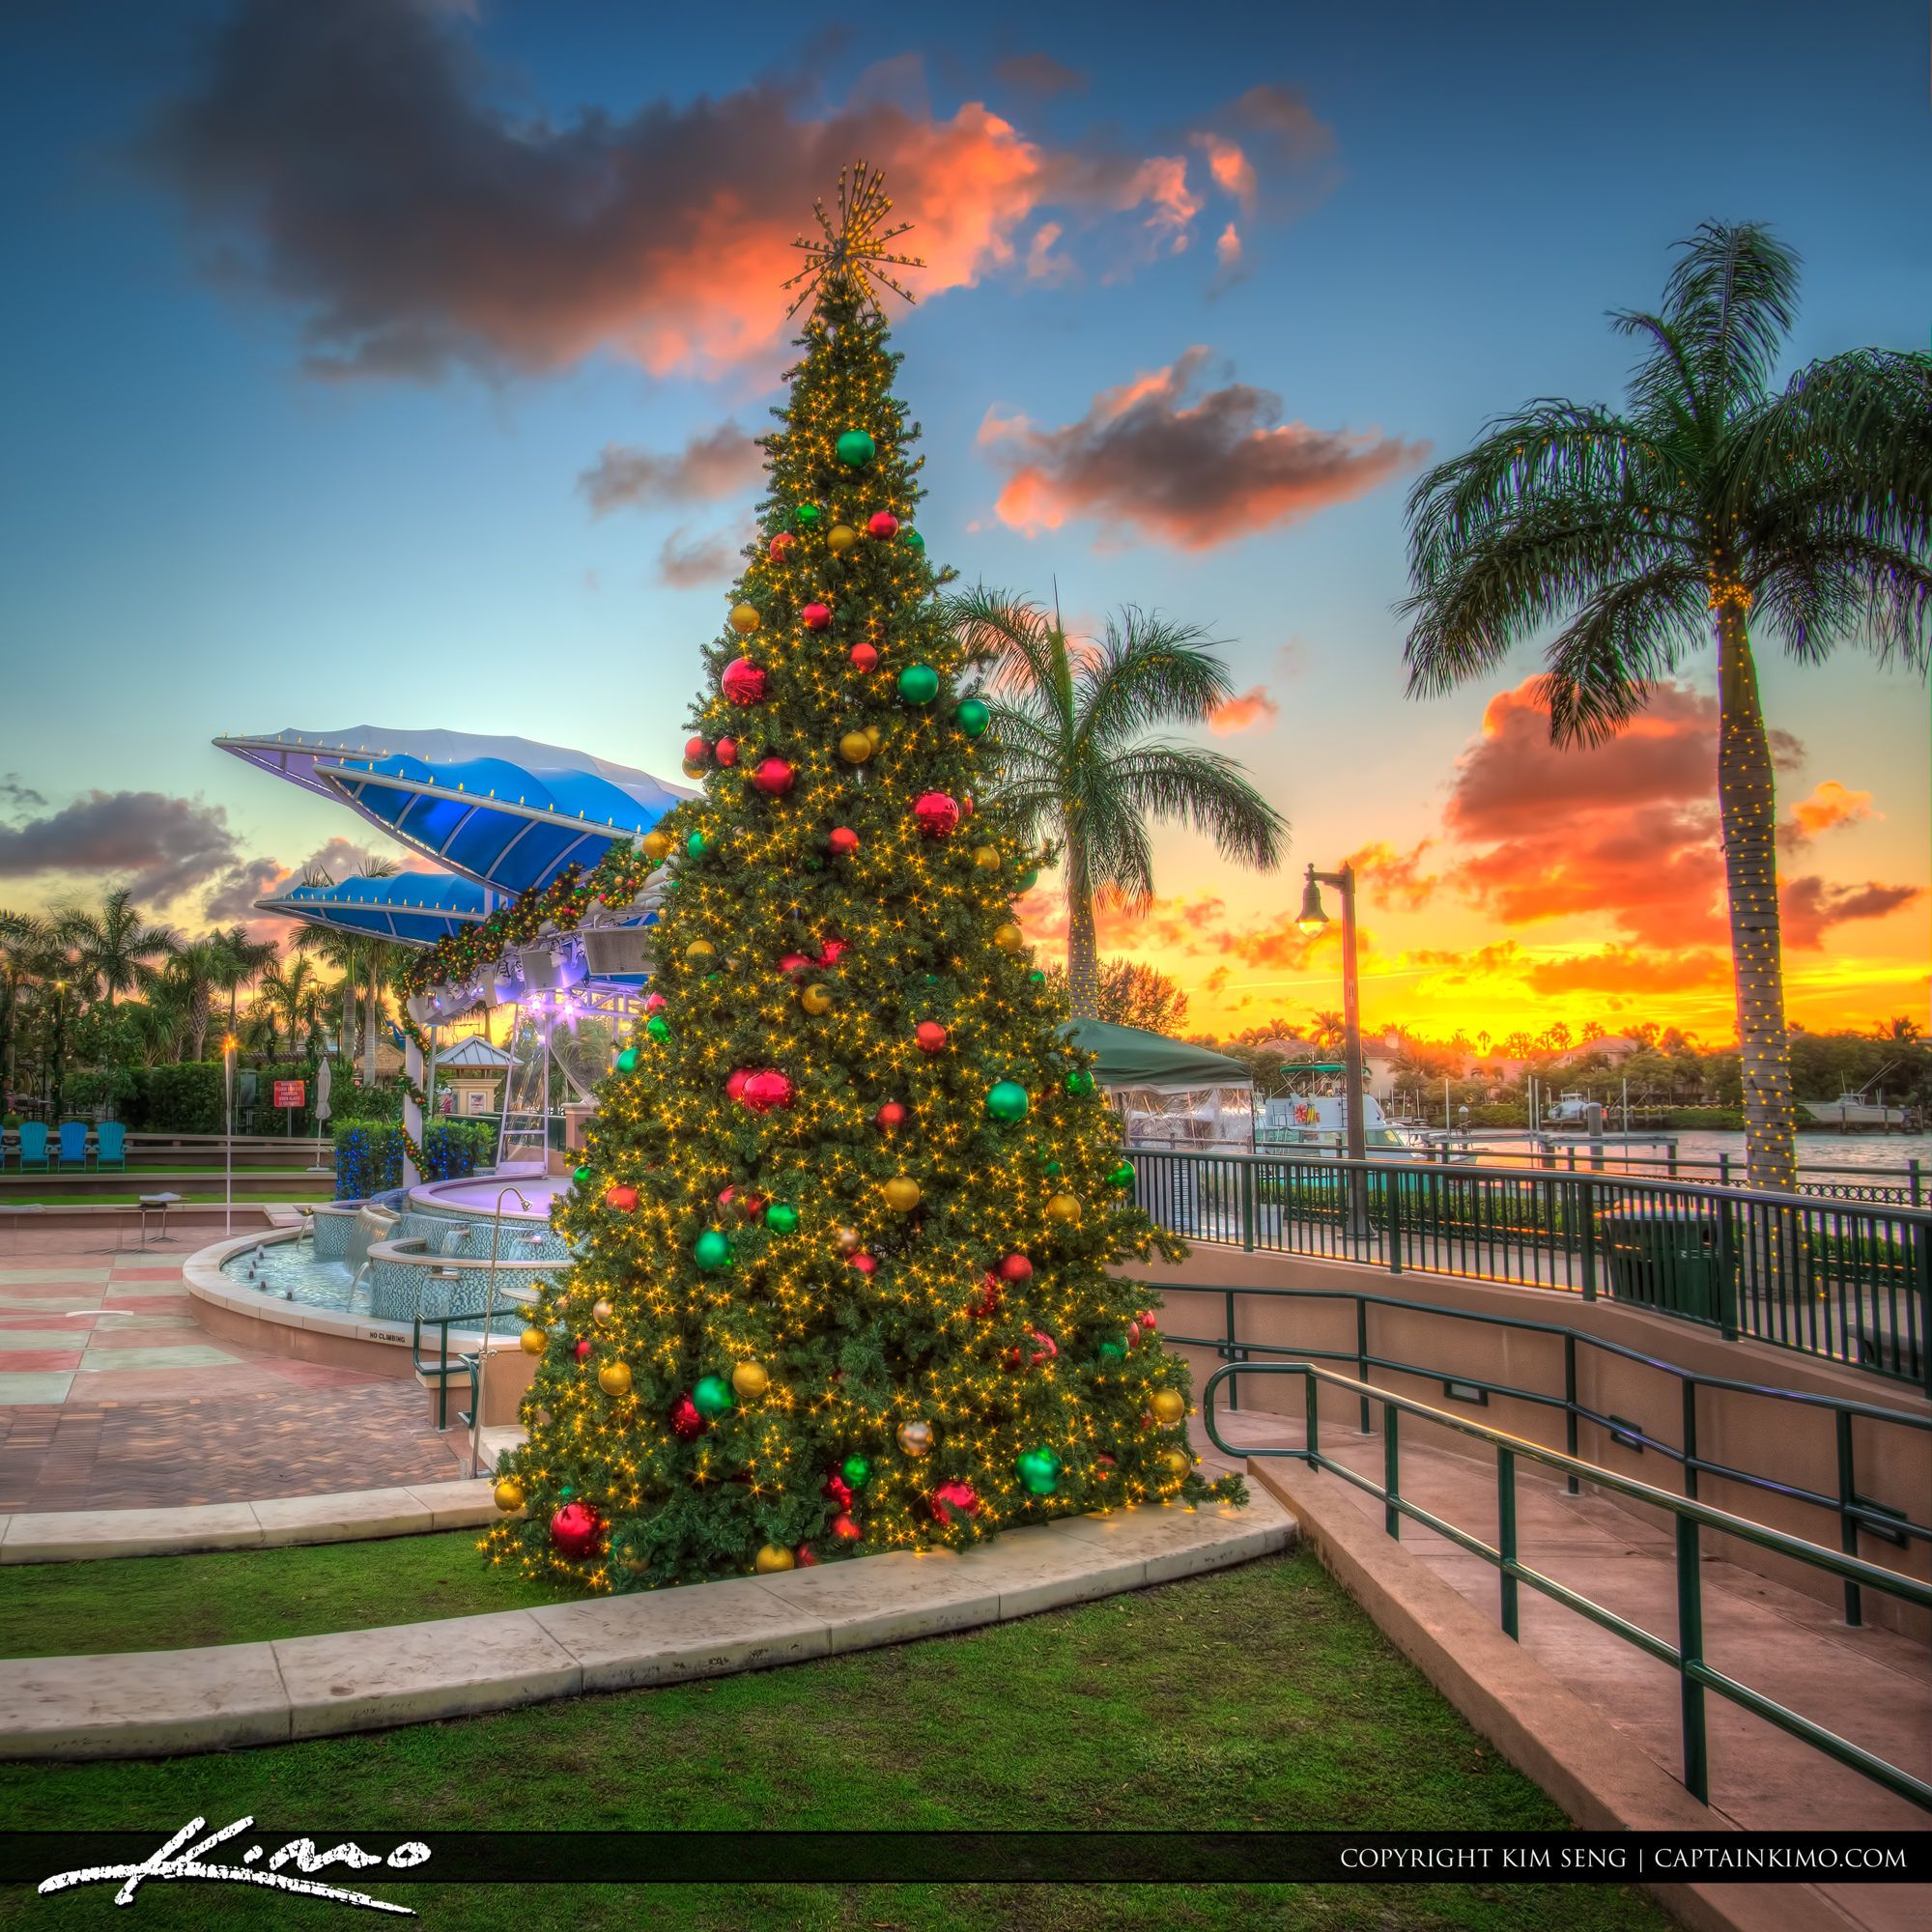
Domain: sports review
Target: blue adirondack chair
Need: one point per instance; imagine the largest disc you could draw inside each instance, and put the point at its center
(110, 1145)
(33, 1144)
(73, 1143)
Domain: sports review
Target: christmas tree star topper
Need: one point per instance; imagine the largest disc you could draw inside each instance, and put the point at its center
(853, 253)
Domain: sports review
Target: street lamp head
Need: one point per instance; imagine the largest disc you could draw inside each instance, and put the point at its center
(1312, 916)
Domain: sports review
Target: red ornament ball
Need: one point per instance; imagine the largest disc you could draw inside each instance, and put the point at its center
(1147, 1320)
(655, 1003)
(805, 1559)
(780, 546)
(728, 751)
(773, 776)
(1016, 1267)
(951, 1499)
(684, 1420)
(834, 951)
(734, 1087)
(846, 1529)
(838, 1489)
(864, 657)
(765, 1089)
(582, 1349)
(792, 962)
(696, 751)
(883, 524)
(930, 1036)
(935, 813)
(573, 1532)
(843, 841)
(621, 1199)
(745, 682)
(750, 1205)
(816, 617)
(889, 1116)
(865, 1262)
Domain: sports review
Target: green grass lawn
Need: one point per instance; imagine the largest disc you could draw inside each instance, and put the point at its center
(247, 1596)
(1257, 1697)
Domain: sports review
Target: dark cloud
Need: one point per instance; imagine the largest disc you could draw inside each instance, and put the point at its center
(688, 563)
(353, 158)
(17, 797)
(717, 463)
(231, 900)
(1811, 906)
(158, 845)
(1194, 470)
(1038, 73)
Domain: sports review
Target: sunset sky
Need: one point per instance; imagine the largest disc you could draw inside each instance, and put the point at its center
(382, 360)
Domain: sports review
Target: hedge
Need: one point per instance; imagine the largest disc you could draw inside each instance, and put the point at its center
(369, 1155)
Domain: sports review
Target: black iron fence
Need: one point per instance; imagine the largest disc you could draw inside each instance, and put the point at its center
(1849, 1281)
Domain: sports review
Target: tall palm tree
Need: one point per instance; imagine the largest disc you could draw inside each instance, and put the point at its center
(242, 960)
(26, 941)
(1327, 1029)
(189, 979)
(114, 949)
(1710, 499)
(358, 959)
(1077, 762)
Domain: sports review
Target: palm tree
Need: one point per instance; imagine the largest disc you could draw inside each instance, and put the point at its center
(189, 979)
(242, 960)
(1710, 498)
(1327, 1029)
(113, 950)
(1902, 1030)
(1078, 766)
(26, 941)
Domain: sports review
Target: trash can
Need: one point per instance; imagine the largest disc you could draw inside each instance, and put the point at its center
(1665, 1262)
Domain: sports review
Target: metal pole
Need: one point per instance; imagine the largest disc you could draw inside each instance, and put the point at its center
(228, 1135)
(489, 1315)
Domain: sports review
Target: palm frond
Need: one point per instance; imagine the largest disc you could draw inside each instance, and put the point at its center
(1148, 670)
(1023, 647)
(1732, 297)
(1208, 791)
(1836, 585)
(1628, 636)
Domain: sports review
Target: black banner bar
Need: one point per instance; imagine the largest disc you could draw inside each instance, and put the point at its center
(388, 1858)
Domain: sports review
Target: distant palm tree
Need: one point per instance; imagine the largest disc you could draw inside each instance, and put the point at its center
(1710, 498)
(114, 949)
(242, 960)
(189, 979)
(25, 943)
(1327, 1029)
(1077, 763)
(1902, 1030)
(359, 960)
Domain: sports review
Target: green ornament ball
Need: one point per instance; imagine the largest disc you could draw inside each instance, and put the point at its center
(857, 1472)
(696, 845)
(916, 538)
(919, 684)
(1029, 878)
(657, 1026)
(1006, 1100)
(582, 1176)
(1038, 1470)
(1122, 1175)
(1113, 1351)
(781, 1217)
(1037, 976)
(856, 448)
(712, 1397)
(805, 515)
(1051, 1169)
(973, 716)
(712, 1251)
(1080, 1083)
(627, 1061)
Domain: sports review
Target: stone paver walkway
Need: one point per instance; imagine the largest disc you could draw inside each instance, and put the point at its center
(1873, 1686)
(112, 1396)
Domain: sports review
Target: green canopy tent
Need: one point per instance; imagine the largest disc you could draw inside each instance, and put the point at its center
(1168, 1090)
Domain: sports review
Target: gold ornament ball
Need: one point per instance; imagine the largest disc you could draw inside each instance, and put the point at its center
(1175, 1462)
(615, 1379)
(748, 1380)
(816, 999)
(509, 1496)
(916, 1437)
(600, 1312)
(855, 748)
(771, 1559)
(986, 858)
(903, 1193)
(534, 1341)
(842, 537)
(1008, 938)
(1063, 1207)
(1169, 1405)
(700, 951)
(848, 1240)
(875, 735)
(743, 618)
(656, 846)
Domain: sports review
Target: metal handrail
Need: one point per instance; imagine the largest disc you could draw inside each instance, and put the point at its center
(1853, 1511)
(1686, 1656)
(445, 1364)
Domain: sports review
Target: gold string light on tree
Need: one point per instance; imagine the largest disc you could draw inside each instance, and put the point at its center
(847, 1217)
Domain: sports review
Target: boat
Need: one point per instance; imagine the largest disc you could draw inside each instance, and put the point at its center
(1314, 1123)
(1853, 1110)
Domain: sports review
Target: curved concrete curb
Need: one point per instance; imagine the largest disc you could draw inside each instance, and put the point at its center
(162, 1703)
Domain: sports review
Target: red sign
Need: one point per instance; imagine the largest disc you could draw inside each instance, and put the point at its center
(289, 1092)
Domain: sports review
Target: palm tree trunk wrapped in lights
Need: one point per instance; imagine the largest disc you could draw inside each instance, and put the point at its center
(1712, 502)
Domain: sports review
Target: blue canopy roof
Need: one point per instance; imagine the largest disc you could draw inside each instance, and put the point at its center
(416, 908)
(503, 824)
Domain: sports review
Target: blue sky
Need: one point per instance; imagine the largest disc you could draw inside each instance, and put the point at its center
(200, 536)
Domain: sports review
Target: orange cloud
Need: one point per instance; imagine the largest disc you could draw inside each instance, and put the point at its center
(354, 160)
(1830, 807)
(1192, 468)
(1619, 969)
(1253, 706)
(1391, 874)
(1233, 172)
(1811, 906)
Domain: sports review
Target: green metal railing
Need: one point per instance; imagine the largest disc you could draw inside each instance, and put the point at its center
(1847, 1281)
(1853, 1512)
(1696, 1676)
(444, 1367)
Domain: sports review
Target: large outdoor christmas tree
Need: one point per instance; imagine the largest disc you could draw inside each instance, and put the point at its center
(850, 1198)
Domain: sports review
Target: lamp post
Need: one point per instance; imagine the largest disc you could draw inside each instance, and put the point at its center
(59, 1083)
(1314, 918)
(228, 1134)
